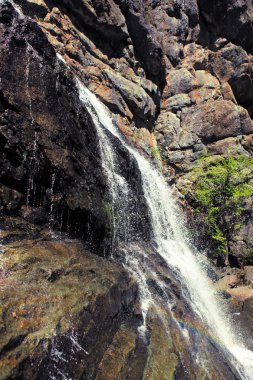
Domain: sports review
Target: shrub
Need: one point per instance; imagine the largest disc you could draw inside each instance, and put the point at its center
(221, 187)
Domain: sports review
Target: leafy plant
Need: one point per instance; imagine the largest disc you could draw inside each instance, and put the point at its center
(221, 187)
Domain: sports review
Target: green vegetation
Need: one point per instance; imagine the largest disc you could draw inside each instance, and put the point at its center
(221, 188)
(155, 152)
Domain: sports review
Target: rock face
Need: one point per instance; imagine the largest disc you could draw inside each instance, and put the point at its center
(60, 306)
(49, 150)
(50, 159)
(170, 71)
(68, 313)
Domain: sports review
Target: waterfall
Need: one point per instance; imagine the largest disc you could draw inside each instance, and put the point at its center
(169, 237)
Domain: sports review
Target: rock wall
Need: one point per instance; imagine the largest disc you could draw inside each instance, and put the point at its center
(178, 80)
(172, 69)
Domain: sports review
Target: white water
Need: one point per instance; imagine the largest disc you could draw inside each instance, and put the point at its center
(118, 186)
(169, 236)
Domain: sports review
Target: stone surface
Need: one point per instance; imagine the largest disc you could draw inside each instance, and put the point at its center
(51, 170)
(242, 293)
(172, 70)
(227, 282)
(60, 305)
(47, 137)
(248, 270)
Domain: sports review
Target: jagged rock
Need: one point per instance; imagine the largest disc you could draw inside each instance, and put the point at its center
(47, 136)
(214, 127)
(101, 16)
(177, 102)
(168, 127)
(232, 64)
(179, 81)
(217, 18)
(137, 99)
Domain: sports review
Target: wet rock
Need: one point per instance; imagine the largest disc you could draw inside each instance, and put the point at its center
(10, 199)
(49, 148)
(34, 214)
(60, 308)
(162, 361)
(115, 357)
(152, 63)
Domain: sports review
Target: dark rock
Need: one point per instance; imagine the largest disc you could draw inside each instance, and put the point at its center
(43, 321)
(217, 18)
(48, 142)
(34, 215)
(232, 64)
(10, 199)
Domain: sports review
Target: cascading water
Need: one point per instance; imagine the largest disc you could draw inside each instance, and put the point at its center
(171, 245)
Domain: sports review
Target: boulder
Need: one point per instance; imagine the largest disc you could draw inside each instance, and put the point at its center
(227, 282)
(242, 293)
(216, 120)
(101, 16)
(60, 307)
(177, 102)
(233, 65)
(178, 82)
(139, 102)
(217, 18)
(248, 270)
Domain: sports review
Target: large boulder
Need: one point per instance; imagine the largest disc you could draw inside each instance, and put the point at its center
(216, 120)
(60, 306)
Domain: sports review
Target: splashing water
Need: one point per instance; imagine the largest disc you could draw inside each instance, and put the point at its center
(168, 234)
(118, 186)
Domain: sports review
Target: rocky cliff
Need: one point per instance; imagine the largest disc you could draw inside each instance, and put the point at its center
(178, 80)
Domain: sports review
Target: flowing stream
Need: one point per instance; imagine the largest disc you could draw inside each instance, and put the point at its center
(168, 234)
